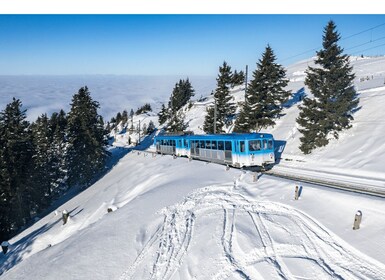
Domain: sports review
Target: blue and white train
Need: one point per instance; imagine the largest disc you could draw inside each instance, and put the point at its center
(237, 150)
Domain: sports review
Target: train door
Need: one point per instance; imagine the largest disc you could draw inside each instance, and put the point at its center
(173, 144)
(228, 152)
(194, 148)
(268, 151)
(241, 152)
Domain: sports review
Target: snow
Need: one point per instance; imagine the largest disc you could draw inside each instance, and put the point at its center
(181, 219)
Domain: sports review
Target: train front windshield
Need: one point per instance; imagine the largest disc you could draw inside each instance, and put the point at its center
(258, 145)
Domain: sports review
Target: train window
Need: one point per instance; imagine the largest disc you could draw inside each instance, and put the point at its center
(228, 146)
(173, 143)
(242, 146)
(214, 145)
(185, 143)
(208, 144)
(264, 144)
(220, 145)
(254, 145)
(202, 144)
(270, 144)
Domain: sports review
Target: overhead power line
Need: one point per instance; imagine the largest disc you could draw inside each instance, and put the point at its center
(369, 48)
(342, 39)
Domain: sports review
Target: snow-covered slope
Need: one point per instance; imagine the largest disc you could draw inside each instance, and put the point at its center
(181, 219)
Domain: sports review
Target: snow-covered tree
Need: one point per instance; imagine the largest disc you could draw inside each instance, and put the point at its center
(264, 96)
(225, 108)
(331, 83)
(86, 154)
(15, 168)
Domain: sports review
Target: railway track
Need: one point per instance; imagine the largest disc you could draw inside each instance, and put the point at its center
(362, 188)
(344, 184)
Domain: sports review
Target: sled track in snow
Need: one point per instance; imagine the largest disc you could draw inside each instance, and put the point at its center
(288, 239)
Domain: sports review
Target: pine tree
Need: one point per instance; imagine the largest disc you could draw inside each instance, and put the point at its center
(265, 95)
(144, 109)
(335, 98)
(118, 118)
(225, 108)
(242, 124)
(238, 78)
(15, 168)
(42, 169)
(85, 155)
(177, 123)
(163, 115)
(58, 126)
(208, 125)
(124, 116)
(151, 127)
(181, 94)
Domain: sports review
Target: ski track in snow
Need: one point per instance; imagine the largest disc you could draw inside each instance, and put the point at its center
(301, 240)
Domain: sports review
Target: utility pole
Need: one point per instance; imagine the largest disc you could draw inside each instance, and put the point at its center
(215, 116)
(139, 133)
(246, 79)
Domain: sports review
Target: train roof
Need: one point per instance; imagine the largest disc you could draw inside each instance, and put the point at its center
(238, 136)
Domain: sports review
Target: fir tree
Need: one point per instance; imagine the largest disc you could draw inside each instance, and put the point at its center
(225, 108)
(43, 169)
(85, 155)
(118, 118)
(177, 123)
(144, 109)
(208, 125)
(243, 122)
(181, 94)
(15, 168)
(331, 83)
(151, 127)
(238, 78)
(124, 116)
(162, 115)
(265, 95)
(58, 126)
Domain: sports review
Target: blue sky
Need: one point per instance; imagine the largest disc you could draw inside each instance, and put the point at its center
(171, 44)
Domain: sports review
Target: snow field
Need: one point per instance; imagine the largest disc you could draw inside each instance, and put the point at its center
(175, 219)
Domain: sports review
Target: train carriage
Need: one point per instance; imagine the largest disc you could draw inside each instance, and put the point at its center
(238, 150)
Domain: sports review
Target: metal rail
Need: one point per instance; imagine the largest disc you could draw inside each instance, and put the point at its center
(346, 186)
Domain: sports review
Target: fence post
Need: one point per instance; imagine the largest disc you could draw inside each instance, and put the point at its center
(5, 246)
(296, 193)
(65, 217)
(357, 220)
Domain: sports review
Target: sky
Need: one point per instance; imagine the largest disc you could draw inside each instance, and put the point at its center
(171, 44)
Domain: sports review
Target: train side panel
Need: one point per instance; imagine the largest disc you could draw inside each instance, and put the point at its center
(237, 150)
